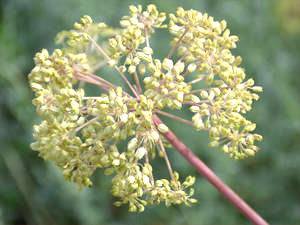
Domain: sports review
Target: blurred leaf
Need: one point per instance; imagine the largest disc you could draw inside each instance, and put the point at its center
(269, 45)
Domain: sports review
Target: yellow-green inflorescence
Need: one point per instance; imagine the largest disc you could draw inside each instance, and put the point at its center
(82, 133)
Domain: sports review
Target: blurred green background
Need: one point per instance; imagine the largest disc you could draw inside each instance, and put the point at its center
(34, 192)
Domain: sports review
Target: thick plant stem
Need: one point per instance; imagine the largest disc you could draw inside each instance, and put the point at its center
(226, 191)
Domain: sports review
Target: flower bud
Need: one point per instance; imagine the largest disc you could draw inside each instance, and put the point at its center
(211, 95)
(140, 153)
(225, 149)
(102, 25)
(131, 179)
(133, 9)
(257, 137)
(198, 124)
(167, 64)
(146, 180)
(223, 25)
(146, 57)
(124, 118)
(125, 23)
(162, 128)
(142, 69)
(257, 89)
(250, 127)
(151, 67)
(226, 33)
(80, 121)
(132, 144)
(88, 19)
(148, 50)
(133, 20)
(58, 52)
(158, 183)
(122, 69)
(249, 152)
(135, 61)
(192, 67)
(77, 26)
(250, 82)
(111, 62)
(131, 69)
(213, 144)
(204, 94)
(194, 109)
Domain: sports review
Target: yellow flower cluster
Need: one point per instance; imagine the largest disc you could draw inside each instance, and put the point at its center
(82, 133)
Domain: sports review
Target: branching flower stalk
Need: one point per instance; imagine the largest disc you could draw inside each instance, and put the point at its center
(82, 133)
(239, 203)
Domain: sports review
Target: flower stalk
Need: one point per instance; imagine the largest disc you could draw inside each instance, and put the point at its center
(205, 171)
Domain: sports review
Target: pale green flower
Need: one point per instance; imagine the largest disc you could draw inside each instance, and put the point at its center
(82, 133)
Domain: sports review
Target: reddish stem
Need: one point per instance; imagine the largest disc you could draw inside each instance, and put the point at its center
(177, 43)
(228, 193)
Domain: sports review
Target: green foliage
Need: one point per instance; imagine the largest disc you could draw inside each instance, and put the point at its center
(35, 192)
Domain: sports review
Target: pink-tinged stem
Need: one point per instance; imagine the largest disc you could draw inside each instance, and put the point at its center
(117, 68)
(226, 191)
(138, 84)
(87, 123)
(94, 77)
(174, 117)
(177, 44)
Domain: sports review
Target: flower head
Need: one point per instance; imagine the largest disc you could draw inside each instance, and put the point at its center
(81, 133)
